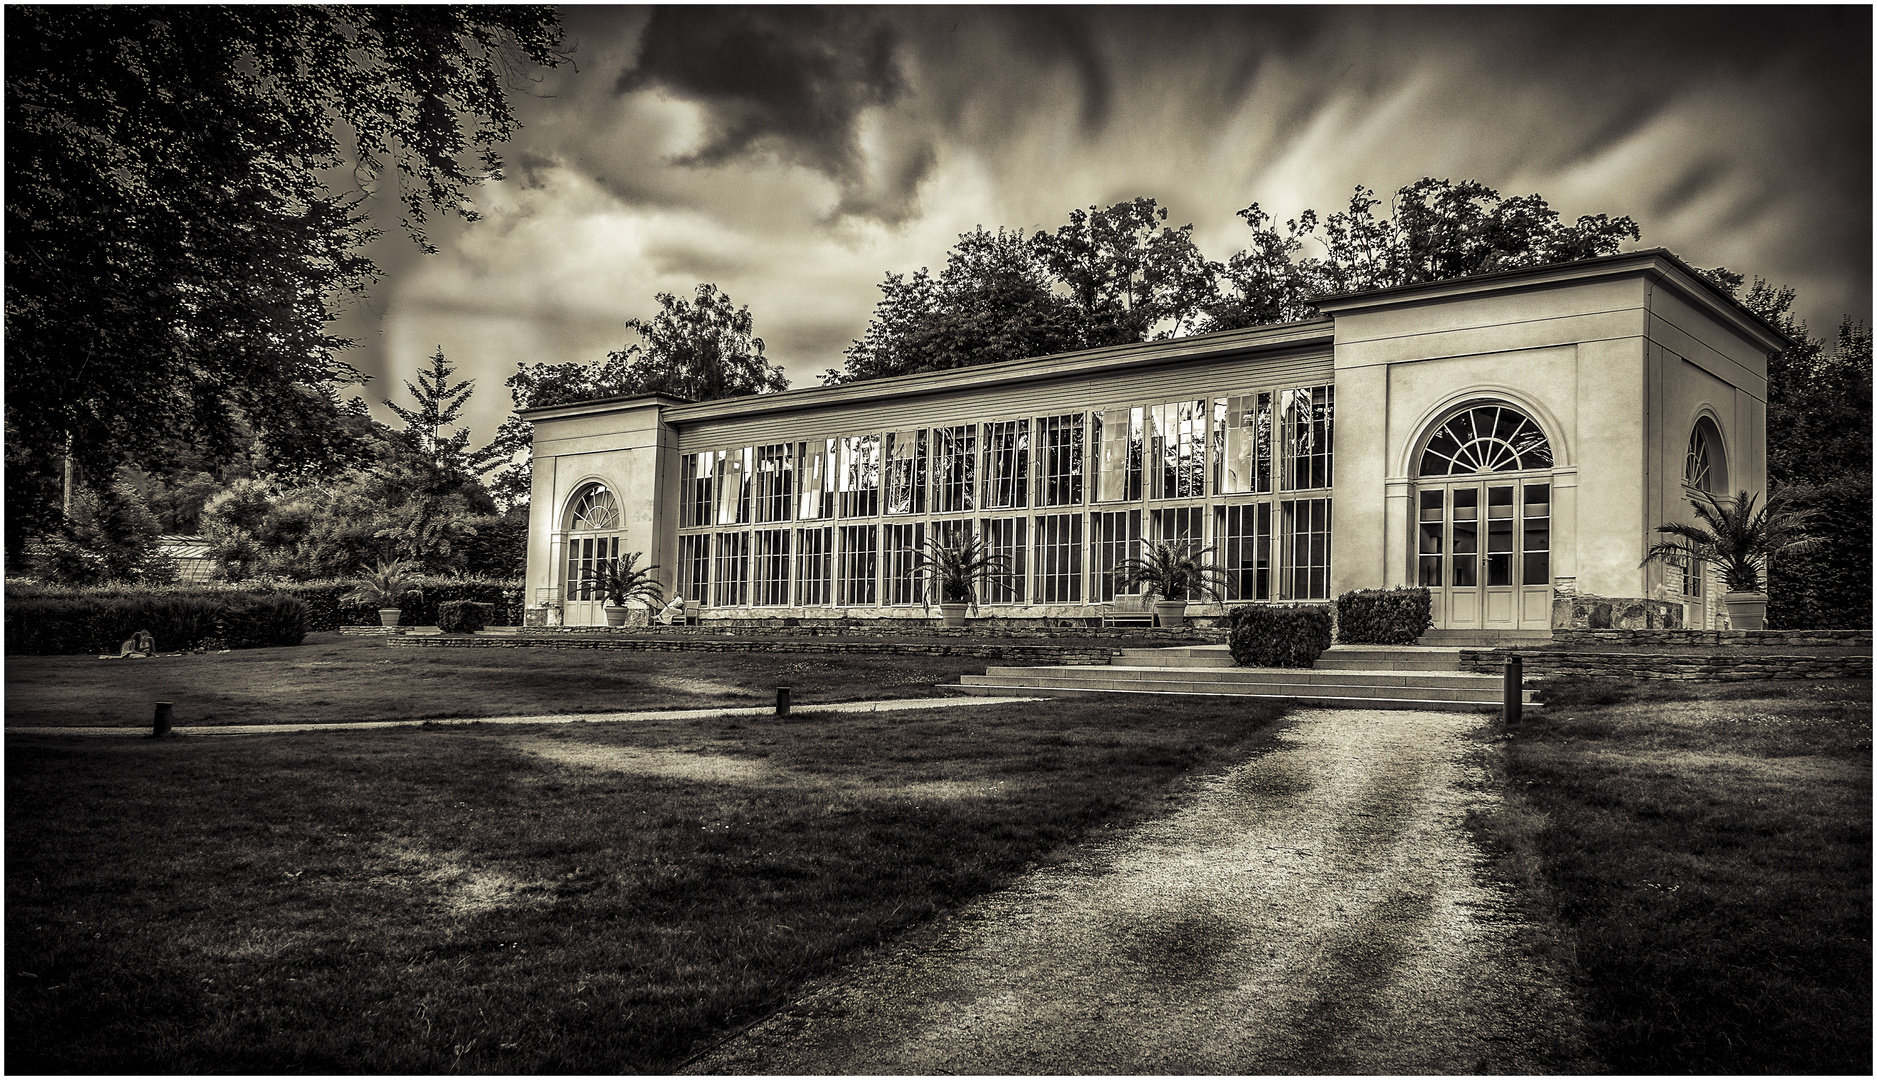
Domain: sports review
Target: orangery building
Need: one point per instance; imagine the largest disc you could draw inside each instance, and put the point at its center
(1510, 441)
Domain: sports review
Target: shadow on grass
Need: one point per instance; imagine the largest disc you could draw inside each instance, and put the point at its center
(553, 899)
(1705, 852)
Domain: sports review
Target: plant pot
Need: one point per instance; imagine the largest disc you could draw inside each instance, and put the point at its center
(1170, 612)
(389, 616)
(615, 616)
(1746, 610)
(954, 615)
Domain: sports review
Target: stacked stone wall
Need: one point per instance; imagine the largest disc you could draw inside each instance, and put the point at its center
(1685, 666)
(1086, 655)
(1788, 639)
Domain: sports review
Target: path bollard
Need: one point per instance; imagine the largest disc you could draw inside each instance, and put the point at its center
(163, 715)
(782, 701)
(1515, 689)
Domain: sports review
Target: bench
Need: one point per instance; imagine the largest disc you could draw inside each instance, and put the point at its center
(1135, 610)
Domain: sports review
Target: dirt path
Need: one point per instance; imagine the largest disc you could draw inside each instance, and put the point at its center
(1319, 910)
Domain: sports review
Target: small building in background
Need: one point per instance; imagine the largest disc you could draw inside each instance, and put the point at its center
(1510, 441)
(191, 556)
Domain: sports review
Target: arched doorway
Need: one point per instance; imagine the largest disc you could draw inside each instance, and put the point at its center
(595, 531)
(1704, 472)
(1483, 520)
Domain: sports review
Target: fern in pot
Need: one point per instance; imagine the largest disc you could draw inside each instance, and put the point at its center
(1174, 571)
(384, 587)
(949, 571)
(622, 581)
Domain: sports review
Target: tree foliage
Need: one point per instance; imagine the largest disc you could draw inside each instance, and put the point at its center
(993, 301)
(1120, 274)
(1439, 229)
(175, 246)
(697, 350)
(427, 427)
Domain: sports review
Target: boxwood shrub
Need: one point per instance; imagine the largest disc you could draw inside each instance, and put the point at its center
(1383, 616)
(1261, 635)
(462, 616)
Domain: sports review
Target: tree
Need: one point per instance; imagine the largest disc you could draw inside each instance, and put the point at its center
(1125, 278)
(439, 402)
(174, 249)
(693, 351)
(1440, 229)
(993, 301)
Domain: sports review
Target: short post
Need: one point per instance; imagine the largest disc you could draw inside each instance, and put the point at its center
(782, 701)
(1515, 689)
(163, 716)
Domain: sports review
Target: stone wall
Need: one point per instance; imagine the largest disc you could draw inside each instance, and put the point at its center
(1583, 611)
(1785, 639)
(1690, 666)
(1087, 655)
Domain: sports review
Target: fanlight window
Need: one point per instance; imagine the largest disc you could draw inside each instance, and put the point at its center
(1698, 473)
(595, 509)
(1485, 439)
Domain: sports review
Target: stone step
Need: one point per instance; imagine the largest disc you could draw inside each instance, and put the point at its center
(1484, 639)
(1155, 658)
(1326, 663)
(1435, 704)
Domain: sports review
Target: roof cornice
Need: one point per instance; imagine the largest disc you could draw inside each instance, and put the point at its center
(597, 406)
(1658, 263)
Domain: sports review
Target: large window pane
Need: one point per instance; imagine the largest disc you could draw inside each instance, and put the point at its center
(814, 566)
(732, 569)
(858, 475)
(1308, 416)
(1119, 435)
(955, 468)
(905, 472)
(1117, 539)
(1059, 559)
(1307, 549)
(859, 565)
(1006, 464)
(815, 479)
(1060, 449)
(775, 482)
(1242, 543)
(694, 568)
(1006, 536)
(733, 485)
(903, 545)
(1176, 449)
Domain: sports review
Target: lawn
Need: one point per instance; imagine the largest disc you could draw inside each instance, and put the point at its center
(591, 898)
(333, 677)
(1706, 853)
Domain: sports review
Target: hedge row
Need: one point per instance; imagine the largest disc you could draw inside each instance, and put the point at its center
(1383, 616)
(61, 625)
(1267, 636)
(53, 620)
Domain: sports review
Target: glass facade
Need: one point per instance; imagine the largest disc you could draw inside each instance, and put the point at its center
(1066, 497)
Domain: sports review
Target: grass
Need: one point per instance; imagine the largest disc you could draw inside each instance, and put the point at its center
(1706, 853)
(588, 898)
(333, 677)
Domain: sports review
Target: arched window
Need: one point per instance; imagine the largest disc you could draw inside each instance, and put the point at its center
(1486, 439)
(1706, 467)
(594, 510)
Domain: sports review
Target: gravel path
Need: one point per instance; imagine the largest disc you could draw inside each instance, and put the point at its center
(1321, 909)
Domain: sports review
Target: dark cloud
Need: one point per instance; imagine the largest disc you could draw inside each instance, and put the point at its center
(788, 81)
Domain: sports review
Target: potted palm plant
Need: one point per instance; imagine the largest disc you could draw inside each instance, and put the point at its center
(1173, 570)
(622, 581)
(949, 571)
(1742, 542)
(384, 587)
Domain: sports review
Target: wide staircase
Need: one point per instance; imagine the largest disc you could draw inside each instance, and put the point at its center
(1352, 676)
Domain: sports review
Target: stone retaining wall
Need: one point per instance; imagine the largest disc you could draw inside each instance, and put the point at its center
(1801, 639)
(1087, 655)
(1687, 666)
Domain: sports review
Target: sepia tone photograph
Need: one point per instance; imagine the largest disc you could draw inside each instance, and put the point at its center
(988, 540)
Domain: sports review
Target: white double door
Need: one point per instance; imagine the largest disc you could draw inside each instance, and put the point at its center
(585, 605)
(1483, 551)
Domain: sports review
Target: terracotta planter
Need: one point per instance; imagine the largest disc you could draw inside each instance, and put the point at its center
(615, 616)
(1170, 612)
(389, 616)
(954, 615)
(1746, 610)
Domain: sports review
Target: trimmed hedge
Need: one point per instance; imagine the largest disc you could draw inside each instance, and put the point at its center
(462, 616)
(1384, 616)
(78, 623)
(1290, 637)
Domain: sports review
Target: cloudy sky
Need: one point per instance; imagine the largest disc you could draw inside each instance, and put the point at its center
(794, 156)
